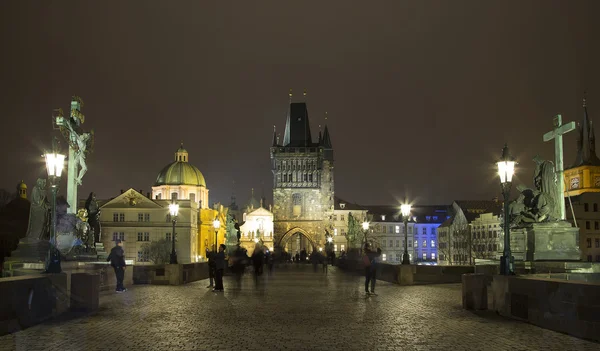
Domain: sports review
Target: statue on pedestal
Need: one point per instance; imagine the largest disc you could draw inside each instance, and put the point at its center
(539, 204)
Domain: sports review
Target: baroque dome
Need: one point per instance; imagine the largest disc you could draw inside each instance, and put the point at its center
(180, 172)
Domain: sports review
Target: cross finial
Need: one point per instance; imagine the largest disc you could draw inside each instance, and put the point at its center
(584, 99)
(325, 116)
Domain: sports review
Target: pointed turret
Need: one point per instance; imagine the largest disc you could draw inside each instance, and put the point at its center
(320, 135)
(297, 126)
(586, 142)
(326, 141)
(275, 141)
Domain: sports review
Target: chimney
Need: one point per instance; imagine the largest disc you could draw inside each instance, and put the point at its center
(122, 191)
(141, 191)
(148, 194)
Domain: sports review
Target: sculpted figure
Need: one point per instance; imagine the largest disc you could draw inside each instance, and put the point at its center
(539, 204)
(93, 212)
(38, 213)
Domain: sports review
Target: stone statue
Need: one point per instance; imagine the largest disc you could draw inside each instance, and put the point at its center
(79, 142)
(67, 227)
(38, 226)
(84, 231)
(539, 204)
(93, 212)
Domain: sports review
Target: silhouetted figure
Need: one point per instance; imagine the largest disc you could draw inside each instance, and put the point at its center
(220, 264)
(210, 255)
(258, 257)
(117, 261)
(269, 259)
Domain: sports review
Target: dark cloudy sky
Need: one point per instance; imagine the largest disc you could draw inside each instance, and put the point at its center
(421, 94)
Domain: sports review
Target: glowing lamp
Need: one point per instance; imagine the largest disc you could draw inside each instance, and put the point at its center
(216, 224)
(365, 225)
(174, 210)
(329, 239)
(405, 209)
(54, 164)
(506, 166)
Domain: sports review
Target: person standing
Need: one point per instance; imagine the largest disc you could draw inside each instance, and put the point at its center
(367, 262)
(211, 267)
(374, 263)
(117, 261)
(220, 263)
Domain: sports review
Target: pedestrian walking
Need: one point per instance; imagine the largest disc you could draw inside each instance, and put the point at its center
(117, 261)
(269, 258)
(374, 265)
(258, 257)
(220, 263)
(367, 261)
(211, 267)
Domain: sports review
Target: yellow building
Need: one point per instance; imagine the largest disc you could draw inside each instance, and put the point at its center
(137, 219)
(582, 190)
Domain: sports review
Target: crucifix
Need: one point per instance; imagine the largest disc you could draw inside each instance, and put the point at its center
(79, 145)
(557, 135)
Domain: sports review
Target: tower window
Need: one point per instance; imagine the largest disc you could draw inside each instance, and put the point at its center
(173, 196)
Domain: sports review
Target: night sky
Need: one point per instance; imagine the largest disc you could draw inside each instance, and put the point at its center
(421, 95)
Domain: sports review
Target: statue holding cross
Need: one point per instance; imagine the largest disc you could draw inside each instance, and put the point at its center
(556, 134)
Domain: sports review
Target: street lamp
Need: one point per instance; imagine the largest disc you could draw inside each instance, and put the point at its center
(506, 170)
(174, 211)
(405, 210)
(54, 165)
(216, 225)
(365, 227)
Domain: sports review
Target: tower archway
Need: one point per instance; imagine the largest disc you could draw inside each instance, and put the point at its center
(300, 234)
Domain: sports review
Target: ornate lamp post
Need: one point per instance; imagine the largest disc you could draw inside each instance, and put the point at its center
(216, 225)
(365, 227)
(174, 211)
(405, 210)
(506, 170)
(54, 165)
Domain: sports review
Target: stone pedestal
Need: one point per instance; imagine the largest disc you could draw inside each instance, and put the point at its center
(550, 241)
(406, 274)
(30, 250)
(554, 241)
(474, 292)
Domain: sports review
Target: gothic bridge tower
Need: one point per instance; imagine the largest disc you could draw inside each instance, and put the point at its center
(303, 190)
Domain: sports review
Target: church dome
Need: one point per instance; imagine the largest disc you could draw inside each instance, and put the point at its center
(180, 172)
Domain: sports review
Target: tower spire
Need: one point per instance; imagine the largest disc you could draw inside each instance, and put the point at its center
(326, 138)
(275, 141)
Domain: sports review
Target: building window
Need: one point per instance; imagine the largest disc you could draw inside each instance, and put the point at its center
(168, 237)
(586, 207)
(595, 207)
(596, 225)
(158, 196)
(424, 256)
(173, 196)
(115, 236)
(122, 236)
(342, 217)
(343, 231)
(410, 243)
(597, 258)
(384, 257)
(140, 217)
(589, 258)
(335, 247)
(383, 242)
(587, 224)
(424, 230)
(397, 243)
(146, 217)
(410, 230)
(433, 255)
(383, 217)
(424, 243)
(383, 229)
(397, 229)
(335, 231)
(342, 247)
(433, 243)
(435, 218)
(335, 217)
(391, 243)
(140, 236)
(121, 217)
(428, 218)
(115, 217)
(589, 242)
(597, 241)
(168, 218)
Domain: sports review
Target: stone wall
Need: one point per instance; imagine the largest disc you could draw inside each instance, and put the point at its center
(29, 300)
(170, 274)
(564, 306)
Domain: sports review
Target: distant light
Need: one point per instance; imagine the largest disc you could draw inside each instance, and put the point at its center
(217, 224)
(174, 209)
(320, 249)
(256, 240)
(405, 209)
(365, 225)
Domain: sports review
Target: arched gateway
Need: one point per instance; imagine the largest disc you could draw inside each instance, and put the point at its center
(285, 238)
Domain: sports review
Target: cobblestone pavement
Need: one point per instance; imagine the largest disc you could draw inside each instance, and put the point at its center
(295, 309)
